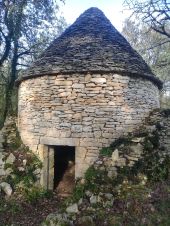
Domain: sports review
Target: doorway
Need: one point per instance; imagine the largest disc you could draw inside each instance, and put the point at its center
(64, 169)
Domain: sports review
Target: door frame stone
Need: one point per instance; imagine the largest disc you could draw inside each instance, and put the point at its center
(47, 158)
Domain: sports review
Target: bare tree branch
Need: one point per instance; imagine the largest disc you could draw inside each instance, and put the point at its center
(155, 13)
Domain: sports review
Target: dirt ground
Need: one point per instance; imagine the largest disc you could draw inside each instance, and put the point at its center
(22, 213)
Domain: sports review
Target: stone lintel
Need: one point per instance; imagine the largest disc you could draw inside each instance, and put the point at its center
(60, 141)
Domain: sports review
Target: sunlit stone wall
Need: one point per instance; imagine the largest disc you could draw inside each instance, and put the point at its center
(86, 111)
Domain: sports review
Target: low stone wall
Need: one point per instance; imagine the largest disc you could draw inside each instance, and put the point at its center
(156, 126)
(160, 119)
(154, 134)
(86, 111)
(7, 136)
(2, 172)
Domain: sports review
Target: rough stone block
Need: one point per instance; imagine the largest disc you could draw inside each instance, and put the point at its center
(78, 86)
(99, 80)
(59, 141)
(90, 142)
(64, 94)
(76, 128)
(63, 83)
(87, 78)
(10, 159)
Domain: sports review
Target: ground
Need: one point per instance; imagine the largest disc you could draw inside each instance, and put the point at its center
(131, 209)
(138, 196)
(23, 213)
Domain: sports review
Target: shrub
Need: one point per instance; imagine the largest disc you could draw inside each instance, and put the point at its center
(78, 192)
(27, 177)
(34, 194)
(121, 140)
(106, 152)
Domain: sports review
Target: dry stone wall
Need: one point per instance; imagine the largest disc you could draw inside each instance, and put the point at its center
(7, 136)
(160, 120)
(2, 172)
(86, 111)
(131, 149)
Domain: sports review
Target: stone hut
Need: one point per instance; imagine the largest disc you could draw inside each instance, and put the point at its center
(88, 88)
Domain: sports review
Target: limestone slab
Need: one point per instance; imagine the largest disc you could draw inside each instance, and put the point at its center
(59, 141)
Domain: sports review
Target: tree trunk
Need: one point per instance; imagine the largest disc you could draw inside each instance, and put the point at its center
(9, 109)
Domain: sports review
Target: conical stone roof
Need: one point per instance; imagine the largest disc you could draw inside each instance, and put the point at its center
(90, 44)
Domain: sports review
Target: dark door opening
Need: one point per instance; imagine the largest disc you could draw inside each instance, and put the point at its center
(64, 168)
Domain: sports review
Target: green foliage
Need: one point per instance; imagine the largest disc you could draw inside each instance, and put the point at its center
(27, 177)
(159, 127)
(78, 192)
(25, 170)
(106, 152)
(155, 168)
(15, 141)
(90, 184)
(91, 173)
(33, 163)
(152, 167)
(128, 190)
(19, 179)
(95, 179)
(163, 208)
(35, 194)
(153, 164)
(120, 141)
(137, 204)
(166, 112)
(9, 206)
(154, 139)
(148, 146)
